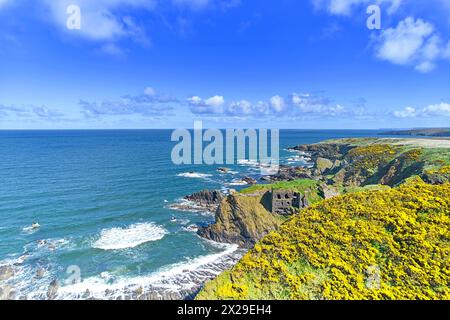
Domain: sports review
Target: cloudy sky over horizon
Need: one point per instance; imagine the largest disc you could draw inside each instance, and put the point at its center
(232, 63)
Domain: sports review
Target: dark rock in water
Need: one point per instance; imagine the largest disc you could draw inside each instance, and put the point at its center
(223, 170)
(52, 290)
(249, 180)
(6, 272)
(206, 197)
(205, 200)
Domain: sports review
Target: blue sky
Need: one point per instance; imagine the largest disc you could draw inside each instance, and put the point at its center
(231, 63)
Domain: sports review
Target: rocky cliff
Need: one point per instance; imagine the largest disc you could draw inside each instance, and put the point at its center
(241, 219)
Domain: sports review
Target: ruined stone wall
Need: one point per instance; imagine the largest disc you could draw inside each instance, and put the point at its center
(283, 201)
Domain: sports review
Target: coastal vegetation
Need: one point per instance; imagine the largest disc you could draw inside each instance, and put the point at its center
(383, 233)
(389, 244)
(305, 186)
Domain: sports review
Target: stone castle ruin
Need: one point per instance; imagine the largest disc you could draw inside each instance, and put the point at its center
(286, 202)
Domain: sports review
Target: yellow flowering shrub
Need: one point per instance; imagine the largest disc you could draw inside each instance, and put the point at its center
(382, 244)
(371, 156)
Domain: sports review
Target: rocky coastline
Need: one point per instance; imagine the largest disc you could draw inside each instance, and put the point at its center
(244, 218)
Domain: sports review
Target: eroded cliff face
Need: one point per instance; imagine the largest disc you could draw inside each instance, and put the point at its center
(242, 219)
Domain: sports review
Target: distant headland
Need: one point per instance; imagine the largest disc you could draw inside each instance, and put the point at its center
(426, 132)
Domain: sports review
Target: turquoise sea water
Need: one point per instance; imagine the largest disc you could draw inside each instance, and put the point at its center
(102, 200)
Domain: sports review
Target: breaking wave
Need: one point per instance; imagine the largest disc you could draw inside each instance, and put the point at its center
(130, 237)
(178, 279)
(194, 175)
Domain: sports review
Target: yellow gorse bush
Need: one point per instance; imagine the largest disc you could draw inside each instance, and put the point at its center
(371, 156)
(390, 244)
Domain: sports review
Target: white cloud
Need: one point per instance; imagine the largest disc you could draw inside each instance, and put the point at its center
(195, 100)
(442, 109)
(215, 101)
(108, 21)
(412, 42)
(307, 103)
(408, 112)
(211, 105)
(435, 110)
(241, 108)
(402, 44)
(295, 105)
(31, 112)
(425, 67)
(99, 20)
(277, 103)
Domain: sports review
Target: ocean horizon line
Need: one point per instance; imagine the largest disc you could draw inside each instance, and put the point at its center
(166, 129)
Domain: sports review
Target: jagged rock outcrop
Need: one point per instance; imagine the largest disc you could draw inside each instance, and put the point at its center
(289, 173)
(331, 151)
(206, 200)
(242, 220)
(206, 197)
(323, 165)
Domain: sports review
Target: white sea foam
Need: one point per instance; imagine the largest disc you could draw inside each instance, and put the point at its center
(194, 175)
(190, 206)
(237, 183)
(130, 237)
(173, 278)
(190, 228)
(250, 163)
(31, 229)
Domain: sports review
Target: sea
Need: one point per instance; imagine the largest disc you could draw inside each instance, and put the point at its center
(101, 202)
